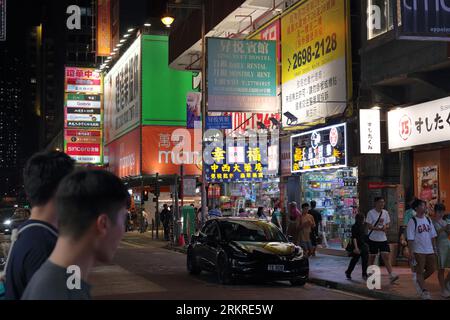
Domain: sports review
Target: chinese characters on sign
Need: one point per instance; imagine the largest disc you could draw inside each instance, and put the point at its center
(104, 38)
(242, 75)
(123, 94)
(420, 124)
(237, 164)
(314, 62)
(323, 148)
(218, 122)
(369, 128)
(83, 115)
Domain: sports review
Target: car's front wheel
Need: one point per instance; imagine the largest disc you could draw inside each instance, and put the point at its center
(191, 264)
(223, 271)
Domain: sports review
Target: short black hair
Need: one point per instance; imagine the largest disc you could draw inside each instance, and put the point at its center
(376, 199)
(416, 203)
(86, 194)
(305, 205)
(313, 204)
(439, 207)
(42, 174)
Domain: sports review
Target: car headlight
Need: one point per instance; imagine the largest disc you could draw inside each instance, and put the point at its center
(299, 255)
(7, 222)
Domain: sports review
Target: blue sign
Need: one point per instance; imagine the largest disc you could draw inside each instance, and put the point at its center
(218, 122)
(241, 75)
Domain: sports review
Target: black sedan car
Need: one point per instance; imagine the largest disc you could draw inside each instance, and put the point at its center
(246, 248)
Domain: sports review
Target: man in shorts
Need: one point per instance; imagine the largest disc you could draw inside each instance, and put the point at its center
(378, 223)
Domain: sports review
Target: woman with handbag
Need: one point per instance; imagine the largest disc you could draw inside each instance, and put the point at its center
(358, 247)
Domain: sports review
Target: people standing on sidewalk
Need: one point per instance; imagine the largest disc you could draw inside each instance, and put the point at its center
(145, 218)
(443, 248)
(36, 237)
(378, 221)
(293, 221)
(315, 231)
(360, 247)
(91, 207)
(165, 214)
(305, 226)
(422, 244)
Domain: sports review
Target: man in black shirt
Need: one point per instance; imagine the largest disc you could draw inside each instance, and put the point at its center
(165, 219)
(37, 236)
(315, 231)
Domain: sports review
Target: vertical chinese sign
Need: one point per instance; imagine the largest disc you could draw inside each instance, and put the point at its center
(314, 62)
(104, 28)
(242, 75)
(2, 20)
(83, 115)
(369, 129)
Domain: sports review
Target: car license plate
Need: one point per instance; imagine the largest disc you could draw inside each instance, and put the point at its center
(275, 267)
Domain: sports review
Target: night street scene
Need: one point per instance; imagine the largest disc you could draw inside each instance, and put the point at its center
(261, 153)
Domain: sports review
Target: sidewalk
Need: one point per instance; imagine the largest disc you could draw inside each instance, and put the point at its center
(328, 271)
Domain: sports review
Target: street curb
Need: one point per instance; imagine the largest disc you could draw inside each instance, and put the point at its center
(362, 291)
(332, 284)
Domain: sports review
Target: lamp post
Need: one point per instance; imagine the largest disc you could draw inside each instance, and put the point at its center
(168, 19)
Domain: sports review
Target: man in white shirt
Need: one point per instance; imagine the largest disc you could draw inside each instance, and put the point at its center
(421, 236)
(378, 223)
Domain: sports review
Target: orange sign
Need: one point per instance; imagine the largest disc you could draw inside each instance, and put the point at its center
(164, 149)
(104, 28)
(124, 155)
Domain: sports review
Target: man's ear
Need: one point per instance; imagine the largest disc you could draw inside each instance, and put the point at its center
(102, 224)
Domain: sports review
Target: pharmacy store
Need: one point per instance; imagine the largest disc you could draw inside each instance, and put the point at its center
(320, 158)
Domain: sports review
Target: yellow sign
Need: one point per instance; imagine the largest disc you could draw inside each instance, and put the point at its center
(314, 65)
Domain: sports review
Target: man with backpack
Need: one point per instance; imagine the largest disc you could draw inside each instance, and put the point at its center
(36, 238)
(422, 246)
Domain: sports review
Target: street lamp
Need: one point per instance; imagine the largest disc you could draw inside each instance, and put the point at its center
(167, 20)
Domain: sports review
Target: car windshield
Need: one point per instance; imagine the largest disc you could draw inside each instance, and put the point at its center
(252, 231)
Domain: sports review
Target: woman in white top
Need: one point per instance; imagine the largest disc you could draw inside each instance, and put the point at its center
(443, 248)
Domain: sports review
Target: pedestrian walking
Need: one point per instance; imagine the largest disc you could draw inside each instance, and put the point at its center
(165, 219)
(293, 221)
(422, 244)
(145, 218)
(315, 235)
(359, 246)
(378, 221)
(260, 214)
(305, 226)
(443, 248)
(91, 206)
(276, 217)
(37, 237)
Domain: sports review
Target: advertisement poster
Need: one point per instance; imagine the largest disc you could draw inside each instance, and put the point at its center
(123, 94)
(84, 146)
(124, 155)
(84, 80)
(428, 185)
(82, 110)
(160, 153)
(324, 148)
(243, 121)
(425, 20)
(242, 75)
(164, 98)
(424, 123)
(104, 28)
(194, 108)
(314, 62)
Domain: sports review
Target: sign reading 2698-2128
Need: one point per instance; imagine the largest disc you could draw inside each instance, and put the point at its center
(314, 61)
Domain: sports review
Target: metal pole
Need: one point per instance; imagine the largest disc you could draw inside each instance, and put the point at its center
(157, 216)
(204, 110)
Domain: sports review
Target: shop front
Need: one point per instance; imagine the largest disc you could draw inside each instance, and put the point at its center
(319, 157)
(424, 130)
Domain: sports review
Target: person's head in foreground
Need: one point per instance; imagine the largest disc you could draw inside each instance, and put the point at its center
(91, 207)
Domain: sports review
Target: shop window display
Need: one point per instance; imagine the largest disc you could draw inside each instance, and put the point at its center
(336, 195)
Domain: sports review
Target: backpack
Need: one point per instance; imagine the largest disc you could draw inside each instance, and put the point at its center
(14, 236)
